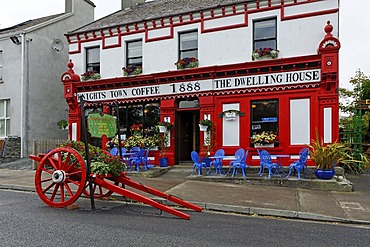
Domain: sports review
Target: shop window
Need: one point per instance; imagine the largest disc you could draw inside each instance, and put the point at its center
(264, 34)
(4, 118)
(145, 114)
(188, 46)
(1, 65)
(134, 53)
(93, 59)
(264, 116)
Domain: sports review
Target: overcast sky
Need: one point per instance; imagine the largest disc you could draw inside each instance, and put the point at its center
(354, 30)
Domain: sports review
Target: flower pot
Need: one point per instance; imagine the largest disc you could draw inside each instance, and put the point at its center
(162, 129)
(324, 174)
(203, 127)
(259, 145)
(163, 162)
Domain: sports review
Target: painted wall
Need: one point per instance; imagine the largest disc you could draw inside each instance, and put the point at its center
(297, 35)
(43, 90)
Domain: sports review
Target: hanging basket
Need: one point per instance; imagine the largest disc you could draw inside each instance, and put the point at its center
(203, 127)
(162, 129)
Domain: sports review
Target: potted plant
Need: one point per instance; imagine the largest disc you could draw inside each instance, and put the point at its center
(208, 145)
(326, 157)
(205, 125)
(164, 126)
(265, 53)
(163, 148)
(63, 124)
(264, 139)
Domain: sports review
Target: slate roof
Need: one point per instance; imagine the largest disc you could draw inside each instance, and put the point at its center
(152, 10)
(27, 24)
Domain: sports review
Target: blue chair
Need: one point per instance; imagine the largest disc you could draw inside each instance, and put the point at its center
(137, 160)
(145, 159)
(265, 159)
(217, 162)
(238, 156)
(240, 164)
(197, 163)
(300, 164)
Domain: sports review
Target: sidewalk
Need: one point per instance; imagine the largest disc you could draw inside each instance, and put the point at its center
(300, 203)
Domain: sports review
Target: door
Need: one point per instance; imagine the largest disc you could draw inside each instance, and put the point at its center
(187, 134)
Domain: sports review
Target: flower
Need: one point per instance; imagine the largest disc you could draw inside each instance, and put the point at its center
(206, 122)
(98, 158)
(141, 141)
(90, 75)
(264, 138)
(265, 52)
(136, 127)
(187, 62)
(168, 125)
(132, 69)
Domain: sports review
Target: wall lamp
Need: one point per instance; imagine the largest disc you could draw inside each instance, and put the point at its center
(15, 40)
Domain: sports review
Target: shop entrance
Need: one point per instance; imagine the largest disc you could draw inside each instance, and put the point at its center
(187, 134)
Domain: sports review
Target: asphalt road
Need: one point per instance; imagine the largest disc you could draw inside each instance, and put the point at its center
(26, 221)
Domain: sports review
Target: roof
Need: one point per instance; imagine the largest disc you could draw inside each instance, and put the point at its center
(152, 10)
(28, 24)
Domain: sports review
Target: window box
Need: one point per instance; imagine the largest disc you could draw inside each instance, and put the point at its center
(265, 53)
(90, 75)
(132, 70)
(187, 62)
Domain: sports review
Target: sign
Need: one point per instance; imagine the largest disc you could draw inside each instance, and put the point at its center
(260, 80)
(102, 125)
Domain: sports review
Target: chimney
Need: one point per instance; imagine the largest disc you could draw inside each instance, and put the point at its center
(130, 3)
(68, 6)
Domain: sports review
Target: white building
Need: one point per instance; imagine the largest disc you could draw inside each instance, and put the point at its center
(292, 93)
(33, 55)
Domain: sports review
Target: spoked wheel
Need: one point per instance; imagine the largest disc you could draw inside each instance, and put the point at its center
(99, 192)
(60, 177)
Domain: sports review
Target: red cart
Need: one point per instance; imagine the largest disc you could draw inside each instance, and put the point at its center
(61, 178)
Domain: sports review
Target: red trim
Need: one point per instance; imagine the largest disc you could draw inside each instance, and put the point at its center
(324, 12)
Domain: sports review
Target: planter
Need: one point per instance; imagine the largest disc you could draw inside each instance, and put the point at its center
(203, 127)
(324, 174)
(162, 129)
(259, 145)
(163, 162)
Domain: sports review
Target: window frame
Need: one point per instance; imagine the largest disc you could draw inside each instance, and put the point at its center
(274, 38)
(6, 117)
(181, 51)
(252, 122)
(1, 65)
(128, 57)
(96, 65)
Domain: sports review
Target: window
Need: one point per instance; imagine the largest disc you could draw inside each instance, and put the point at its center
(1, 65)
(4, 118)
(134, 53)
(264, 116)
(93, 59)
(188, 45)
(146, 114)
(264, 35)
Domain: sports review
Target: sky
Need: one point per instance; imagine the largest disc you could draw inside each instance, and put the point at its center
(354, 27)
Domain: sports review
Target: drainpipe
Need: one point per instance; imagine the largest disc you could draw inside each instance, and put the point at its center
(21, 87)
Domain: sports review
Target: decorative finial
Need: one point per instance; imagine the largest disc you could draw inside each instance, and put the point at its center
(328, 29)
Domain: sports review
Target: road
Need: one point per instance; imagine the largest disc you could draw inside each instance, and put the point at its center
(26, 221)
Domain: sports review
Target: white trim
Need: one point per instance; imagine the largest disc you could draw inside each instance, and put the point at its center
(328, 125)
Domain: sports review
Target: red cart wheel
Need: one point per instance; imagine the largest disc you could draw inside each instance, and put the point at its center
(99, 192)
(60, 177)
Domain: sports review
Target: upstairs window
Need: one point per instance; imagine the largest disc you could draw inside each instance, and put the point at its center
(93, 59)
(188, 45)
(134, 53)
(264, 34)
(1, 65)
